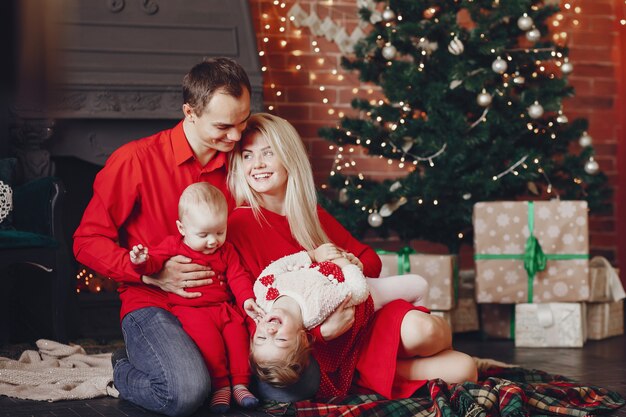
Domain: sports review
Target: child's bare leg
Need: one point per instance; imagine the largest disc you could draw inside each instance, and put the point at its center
(449, 365)
(412, 288)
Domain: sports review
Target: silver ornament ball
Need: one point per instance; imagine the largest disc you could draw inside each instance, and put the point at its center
(561, 118)
(519, 80)
(456, 47)
(533, 35)
(389, 51)
(375, 219)
(591, 166)
(535, 110)
(499, 65)
(389, 14)
(567, 67)
(525, 22)
(483, 99)
(343, 196)
(467, 196)
(585, 140)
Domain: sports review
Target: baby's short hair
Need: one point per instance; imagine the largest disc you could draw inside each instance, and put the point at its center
(285, 371)
(201, 194)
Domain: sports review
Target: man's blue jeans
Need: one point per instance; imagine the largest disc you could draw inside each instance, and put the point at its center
(164, 371)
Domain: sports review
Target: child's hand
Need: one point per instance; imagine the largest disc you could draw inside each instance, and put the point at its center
(138, 254)
(253, 310)
(326, 252)
(353, 259)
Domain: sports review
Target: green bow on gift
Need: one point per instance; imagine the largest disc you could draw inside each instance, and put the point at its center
(535, 260)
(404, 261)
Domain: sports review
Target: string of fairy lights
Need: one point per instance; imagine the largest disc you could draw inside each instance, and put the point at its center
(343, 158)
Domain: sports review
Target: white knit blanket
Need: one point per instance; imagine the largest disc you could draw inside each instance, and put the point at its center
(57, 372)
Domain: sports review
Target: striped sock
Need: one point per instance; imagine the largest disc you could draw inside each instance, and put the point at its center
(220, 401)
(244, 397)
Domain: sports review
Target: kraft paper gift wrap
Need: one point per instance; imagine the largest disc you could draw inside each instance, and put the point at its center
(550, 325)
(604, 281)
(605, 319)
(497, 320)
(529, 252)
(438, 270)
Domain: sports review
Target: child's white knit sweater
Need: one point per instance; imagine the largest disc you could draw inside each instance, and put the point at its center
(319, 288)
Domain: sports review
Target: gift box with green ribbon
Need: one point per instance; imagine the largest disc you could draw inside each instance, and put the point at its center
(438, 270)
(529, 252)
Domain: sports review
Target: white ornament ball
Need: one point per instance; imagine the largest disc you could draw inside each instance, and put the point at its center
(525, 22)
(591, 166)
(375, 219)
(533, 35)
(535, 110)
(567, 67)
(483, 99)
(561, 118)
(467, 196)
(456, 47)
(519, 80)
(585, 140)
(499, 65)
(389, 14)
(343, 196)
(389, 51)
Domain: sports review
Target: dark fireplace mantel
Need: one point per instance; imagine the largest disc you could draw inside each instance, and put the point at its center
(121, 64)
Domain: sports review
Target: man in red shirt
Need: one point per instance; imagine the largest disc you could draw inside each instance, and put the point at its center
(135, 201)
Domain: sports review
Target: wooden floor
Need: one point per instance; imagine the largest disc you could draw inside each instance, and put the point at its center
(599, 363)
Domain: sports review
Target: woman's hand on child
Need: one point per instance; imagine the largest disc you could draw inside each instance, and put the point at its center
(179, 274)
(339, 322)
(353, 259)
(253, 310)
(326, 252)
(138, 254)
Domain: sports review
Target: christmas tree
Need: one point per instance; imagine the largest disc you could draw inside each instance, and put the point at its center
(472, 111)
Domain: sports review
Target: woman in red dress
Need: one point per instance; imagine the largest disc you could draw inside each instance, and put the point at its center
(392, 352)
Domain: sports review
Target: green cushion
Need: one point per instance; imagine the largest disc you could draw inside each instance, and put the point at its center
(10, 239)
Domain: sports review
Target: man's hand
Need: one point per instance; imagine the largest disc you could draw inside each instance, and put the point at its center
(253, 310)
(179, 273)
(138, 254)
(339, 322)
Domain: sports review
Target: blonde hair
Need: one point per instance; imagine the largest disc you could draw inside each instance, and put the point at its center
(202, 194)
(287, 370)
(300, 197)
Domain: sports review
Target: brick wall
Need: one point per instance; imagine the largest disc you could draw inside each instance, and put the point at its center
(293, 91)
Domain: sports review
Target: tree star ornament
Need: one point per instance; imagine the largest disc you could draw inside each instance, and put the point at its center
(533, 35)
(375, 219)
(585, 140)
(484, 98)
(389, 51)
(592, 167)
(525, 22)
(535, 110)
(456, 47)
(499, 65)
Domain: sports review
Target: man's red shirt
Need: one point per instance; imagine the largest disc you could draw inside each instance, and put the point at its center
(135, 201)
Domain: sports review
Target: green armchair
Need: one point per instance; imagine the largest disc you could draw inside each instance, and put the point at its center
(37, 238)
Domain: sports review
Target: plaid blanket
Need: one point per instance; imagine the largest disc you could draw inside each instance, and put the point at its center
(507, 392)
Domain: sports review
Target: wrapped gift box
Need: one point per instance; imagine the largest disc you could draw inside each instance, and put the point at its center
(604, 281)
(497, 320)
(504, 251)
(605, 319)
(438, 270)
(550, 325)
(464, 316)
